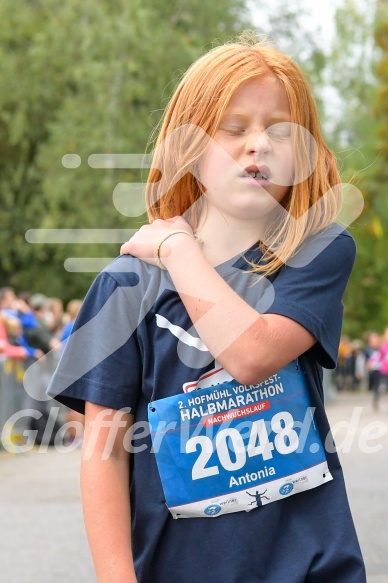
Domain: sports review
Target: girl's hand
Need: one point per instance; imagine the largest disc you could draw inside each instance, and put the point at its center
(143, 243)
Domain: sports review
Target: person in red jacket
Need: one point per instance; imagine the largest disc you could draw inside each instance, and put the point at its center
(11, 351)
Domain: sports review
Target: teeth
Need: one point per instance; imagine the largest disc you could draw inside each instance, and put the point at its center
(257, 175)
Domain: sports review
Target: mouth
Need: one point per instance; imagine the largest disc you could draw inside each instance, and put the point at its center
(258, 173)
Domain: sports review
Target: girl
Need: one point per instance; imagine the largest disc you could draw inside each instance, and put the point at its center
(223, 309)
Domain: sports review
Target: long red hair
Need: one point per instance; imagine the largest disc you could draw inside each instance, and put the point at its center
(200, 101)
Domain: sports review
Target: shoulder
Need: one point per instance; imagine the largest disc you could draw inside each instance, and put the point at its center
(126, 282)
(310, 287)
(127, 270)
(340, 243)
(333, 247)
(124, 271)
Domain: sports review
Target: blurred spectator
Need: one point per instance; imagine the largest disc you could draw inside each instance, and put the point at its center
(31, 326)
(358, 365)
(73, 418)
(40, 336)
(383, 385)
(372, 352)
(16, 317)
(73, 307)
(12, 306)
(26, 319)
(343, 372)
(11, 350)
(14, 329)
(56, 323)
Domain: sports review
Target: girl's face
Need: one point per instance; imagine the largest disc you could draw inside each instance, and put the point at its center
(248, 167)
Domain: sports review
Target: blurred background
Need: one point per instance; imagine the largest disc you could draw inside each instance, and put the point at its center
(84, 78)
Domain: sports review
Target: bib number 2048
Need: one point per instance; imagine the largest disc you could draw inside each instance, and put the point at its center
(286, 441)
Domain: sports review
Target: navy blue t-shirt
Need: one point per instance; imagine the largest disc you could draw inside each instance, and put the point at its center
(134, 342)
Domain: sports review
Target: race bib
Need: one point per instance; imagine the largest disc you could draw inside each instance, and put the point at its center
(235, 447)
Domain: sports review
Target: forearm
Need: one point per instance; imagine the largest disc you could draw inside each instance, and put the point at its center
(249, 345)
(105, 493)
(105, 496)
(227, 324)
(206, 295)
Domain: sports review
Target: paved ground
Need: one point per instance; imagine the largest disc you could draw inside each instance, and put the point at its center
(366, 474)
(41, 528)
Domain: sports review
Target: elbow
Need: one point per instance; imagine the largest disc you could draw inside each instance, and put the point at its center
(248, 378)
(249, 373)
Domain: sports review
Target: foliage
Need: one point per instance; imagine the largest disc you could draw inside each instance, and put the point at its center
(84, 77)
(358, 70)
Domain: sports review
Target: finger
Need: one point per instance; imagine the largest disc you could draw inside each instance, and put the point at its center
(124, 249)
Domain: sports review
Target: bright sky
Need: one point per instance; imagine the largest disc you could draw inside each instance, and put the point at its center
(322, 14)
(319, 15)
(323, 9)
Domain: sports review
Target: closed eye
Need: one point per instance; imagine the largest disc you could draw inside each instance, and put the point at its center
(279, 131)
(233, 130)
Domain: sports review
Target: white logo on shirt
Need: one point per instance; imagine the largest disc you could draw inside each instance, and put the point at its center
(181, 334)
(215, 376)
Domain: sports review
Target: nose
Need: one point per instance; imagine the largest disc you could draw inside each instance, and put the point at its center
(258, 142)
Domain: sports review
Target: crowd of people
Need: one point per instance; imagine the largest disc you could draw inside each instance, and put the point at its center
(31, 326)
(363, 366)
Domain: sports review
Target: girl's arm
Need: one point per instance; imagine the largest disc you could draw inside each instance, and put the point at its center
(248, 345)
(105, 493)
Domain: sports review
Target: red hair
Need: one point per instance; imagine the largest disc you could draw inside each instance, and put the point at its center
(200, 101)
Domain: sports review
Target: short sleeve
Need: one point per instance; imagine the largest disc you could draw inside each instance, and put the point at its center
(309, 290)
(101, 361)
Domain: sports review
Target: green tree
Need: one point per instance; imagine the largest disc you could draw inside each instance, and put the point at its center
(357, 68)
(373, 255)
(84, 78)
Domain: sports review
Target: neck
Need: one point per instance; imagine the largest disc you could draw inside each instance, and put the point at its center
(223, 238)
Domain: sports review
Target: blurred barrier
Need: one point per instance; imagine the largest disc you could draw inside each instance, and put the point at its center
(12, 397)
(28, 419)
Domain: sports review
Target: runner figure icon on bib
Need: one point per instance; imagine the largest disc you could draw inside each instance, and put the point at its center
(236, 447)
